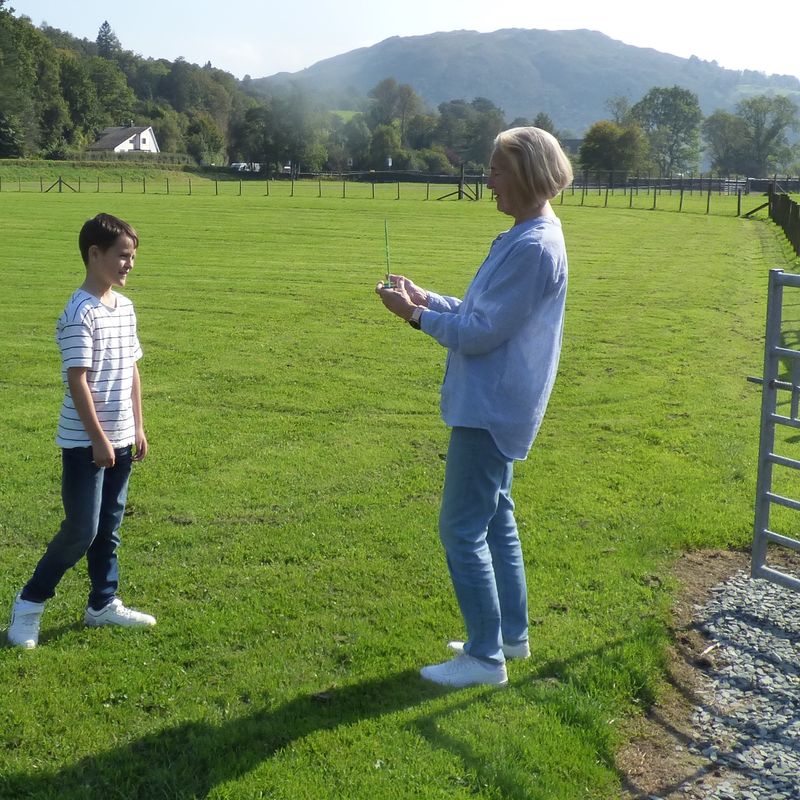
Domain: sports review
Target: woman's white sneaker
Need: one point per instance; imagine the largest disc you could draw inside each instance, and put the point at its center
(465, 670)
(117, 614)
(23, 630)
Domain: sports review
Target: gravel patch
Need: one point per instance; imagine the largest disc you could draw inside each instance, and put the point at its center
(748, 721)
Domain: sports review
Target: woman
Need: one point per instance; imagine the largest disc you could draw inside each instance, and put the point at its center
(503, 341)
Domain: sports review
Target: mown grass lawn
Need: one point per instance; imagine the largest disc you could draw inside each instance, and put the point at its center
(283, 528)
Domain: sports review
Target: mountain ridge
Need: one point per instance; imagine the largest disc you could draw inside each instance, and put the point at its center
(568, 74)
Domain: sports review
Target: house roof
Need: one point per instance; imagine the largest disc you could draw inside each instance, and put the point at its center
(112, 137)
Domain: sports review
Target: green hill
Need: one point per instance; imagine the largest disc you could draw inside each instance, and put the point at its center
(567, 74)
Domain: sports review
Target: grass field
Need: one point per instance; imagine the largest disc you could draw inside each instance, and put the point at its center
(283, 527)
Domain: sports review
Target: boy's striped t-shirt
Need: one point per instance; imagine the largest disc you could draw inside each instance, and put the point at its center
(102, 339)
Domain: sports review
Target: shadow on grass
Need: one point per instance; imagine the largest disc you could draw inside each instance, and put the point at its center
(187, 761)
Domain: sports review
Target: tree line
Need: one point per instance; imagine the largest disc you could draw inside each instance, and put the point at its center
(665, 132)
(57, 92)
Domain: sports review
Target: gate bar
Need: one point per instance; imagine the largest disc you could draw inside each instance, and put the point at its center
(770, 385)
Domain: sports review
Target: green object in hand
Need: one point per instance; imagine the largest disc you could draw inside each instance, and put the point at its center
(388, 282)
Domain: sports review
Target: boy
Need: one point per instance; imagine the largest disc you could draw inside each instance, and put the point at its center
(101, 419)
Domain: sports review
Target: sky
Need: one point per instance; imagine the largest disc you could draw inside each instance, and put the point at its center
(262, 37)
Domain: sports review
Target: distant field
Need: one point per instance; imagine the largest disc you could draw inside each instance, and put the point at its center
(283, 528)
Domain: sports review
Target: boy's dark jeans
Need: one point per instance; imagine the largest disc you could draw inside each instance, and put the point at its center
(94, 504)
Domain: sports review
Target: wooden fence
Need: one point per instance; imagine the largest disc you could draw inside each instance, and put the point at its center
(785, 212)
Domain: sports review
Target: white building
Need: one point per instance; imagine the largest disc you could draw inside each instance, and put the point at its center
(128, 138)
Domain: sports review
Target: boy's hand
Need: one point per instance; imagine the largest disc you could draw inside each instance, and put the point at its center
(103, 453)
(141, 446)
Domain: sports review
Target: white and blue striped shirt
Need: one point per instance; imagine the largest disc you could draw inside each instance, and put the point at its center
(104, 341)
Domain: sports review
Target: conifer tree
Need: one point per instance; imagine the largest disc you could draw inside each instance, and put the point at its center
(107, 43)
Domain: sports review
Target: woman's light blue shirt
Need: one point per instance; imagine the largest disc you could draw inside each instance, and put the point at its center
(504, 337)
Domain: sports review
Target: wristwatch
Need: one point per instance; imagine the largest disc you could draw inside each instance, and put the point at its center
(416, 314)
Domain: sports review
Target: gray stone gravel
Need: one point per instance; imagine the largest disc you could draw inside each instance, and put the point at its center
(748, 725)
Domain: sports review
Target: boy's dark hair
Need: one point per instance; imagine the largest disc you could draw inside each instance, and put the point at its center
(103, 230)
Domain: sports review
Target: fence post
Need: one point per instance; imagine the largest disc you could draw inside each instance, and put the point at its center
(216, 188)
(121, 185)
(98, 184)
(708, 200)
(41, 184)
(428, 191)
(144, 185)
(739, 203)
(320, 186)
(292, 193)
(167, 184)
(79, 184)
(398, 190)
(190, 187)
(266, 194)
(240, 187)
(680, 204)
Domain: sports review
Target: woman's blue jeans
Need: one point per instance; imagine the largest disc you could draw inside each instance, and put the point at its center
(94, 504)
(479, 533)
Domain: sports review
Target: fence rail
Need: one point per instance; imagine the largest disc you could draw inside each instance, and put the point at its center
(701, 194)
(357, 185)
(471, 185)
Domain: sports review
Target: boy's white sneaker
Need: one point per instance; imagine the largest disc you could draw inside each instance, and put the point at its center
(521, 650)
(464, 670)
(117, 614)
(23, 631)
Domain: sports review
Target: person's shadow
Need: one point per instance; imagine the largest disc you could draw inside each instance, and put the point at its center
(187, 761)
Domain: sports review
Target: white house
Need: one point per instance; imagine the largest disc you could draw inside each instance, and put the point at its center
(128, 138)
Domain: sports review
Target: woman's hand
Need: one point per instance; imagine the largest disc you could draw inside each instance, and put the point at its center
(396, 299)
(417, 295)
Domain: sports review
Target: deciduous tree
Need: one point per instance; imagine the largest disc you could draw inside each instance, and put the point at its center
(611, 147)
(670, 118)
(727, 137)
(767, 119)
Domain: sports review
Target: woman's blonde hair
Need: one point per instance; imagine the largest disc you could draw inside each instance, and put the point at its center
(540, 167)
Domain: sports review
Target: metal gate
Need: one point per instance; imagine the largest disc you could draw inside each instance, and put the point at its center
(776, 394)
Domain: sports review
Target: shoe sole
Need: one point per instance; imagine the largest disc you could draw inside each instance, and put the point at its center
(27, 645)
(450, 685)
(90, 623)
